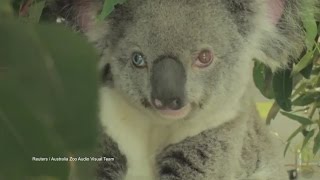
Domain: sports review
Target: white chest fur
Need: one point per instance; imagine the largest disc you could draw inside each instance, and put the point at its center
(139, 138)
(132, 131)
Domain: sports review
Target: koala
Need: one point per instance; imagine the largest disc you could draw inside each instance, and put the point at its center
(176, 91)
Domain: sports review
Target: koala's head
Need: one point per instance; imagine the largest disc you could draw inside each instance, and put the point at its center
(179, 58)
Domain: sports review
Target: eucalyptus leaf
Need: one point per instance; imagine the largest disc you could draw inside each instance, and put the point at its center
(305, 132)
(286, 149)
(309, 22)
(282, 88)
(35, 11)
(79, 88)
(300, 119)
(5, 8)
(306, 99)
(272, 113)
(48, 98)
(307, 138)
(316, 70)
(16, 4)
(316, 145)
(108, 7)
(262, 76)
(303, 63)
(300, 88)
(306, 72)
(294, 134)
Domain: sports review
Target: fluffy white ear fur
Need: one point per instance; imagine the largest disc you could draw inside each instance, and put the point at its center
(86, 13)
(86, 20)
(272, 45)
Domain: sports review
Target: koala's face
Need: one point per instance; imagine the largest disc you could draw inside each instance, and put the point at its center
(177, 59)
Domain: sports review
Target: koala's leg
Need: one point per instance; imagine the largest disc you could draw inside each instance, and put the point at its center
(114, 169)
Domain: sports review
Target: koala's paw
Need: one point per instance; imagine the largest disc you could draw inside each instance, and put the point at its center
(180, 163)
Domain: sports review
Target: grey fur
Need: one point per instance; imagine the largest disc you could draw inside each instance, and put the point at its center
(222, 138)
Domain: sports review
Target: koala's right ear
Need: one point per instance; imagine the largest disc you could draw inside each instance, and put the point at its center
(79, 14)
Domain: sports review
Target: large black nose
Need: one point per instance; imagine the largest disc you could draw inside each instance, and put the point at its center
(168, 83)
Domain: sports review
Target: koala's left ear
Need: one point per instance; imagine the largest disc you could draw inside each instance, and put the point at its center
(280, 33)
(275, 10)
(81, 15)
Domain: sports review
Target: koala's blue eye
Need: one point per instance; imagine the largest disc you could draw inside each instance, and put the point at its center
(138, 60)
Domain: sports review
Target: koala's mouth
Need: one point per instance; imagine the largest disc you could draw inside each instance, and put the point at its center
(169, 113)
(175, 114)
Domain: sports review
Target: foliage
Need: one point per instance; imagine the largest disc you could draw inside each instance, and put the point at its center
(108, 6)
(48, 94)
(297, 88)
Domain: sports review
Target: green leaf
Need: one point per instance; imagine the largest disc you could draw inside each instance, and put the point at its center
(286, 149)
(305, 132)
(294, 134)
(309, 22)
(300, 89)
(282, 88)
(300, 119)
(316, 145)
(272, 112)
(306, 99)
(307, 138)
(16, 5)
(316, 70)
(262, 76)
(5, 8)
(306, 72)
(108, 7)
(48, 98)
(79, 89)
(35, 11)
(304, 62)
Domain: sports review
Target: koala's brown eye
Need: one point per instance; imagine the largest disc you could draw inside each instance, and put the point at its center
(138, 60)
(204, 58)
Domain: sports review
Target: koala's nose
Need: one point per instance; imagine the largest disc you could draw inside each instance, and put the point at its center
(168, 81)
(172, 103)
